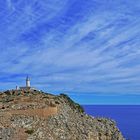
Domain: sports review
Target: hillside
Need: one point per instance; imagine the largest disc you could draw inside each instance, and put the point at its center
(35, 115)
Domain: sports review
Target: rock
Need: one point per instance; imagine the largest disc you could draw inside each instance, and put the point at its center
(41, 116)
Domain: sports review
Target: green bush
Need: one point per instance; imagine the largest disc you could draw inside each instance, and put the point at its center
(29, 131)
(72, 103)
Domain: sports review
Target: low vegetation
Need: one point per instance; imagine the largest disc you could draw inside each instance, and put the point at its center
(72, 103)
(29, 131)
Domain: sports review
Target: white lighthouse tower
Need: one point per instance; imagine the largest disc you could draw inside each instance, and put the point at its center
(28, 85)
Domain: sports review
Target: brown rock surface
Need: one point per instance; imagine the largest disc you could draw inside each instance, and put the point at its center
(35, 115)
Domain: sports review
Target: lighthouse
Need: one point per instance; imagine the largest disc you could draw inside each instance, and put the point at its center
(28, 82)
(28, 85)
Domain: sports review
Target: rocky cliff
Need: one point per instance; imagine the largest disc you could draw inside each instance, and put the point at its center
(35, 115)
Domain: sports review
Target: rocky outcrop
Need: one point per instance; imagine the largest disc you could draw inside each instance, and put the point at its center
(35, 115)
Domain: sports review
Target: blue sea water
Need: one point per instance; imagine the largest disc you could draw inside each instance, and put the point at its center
(126, 116)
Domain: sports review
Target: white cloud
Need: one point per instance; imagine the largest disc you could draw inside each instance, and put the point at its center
(101, 63)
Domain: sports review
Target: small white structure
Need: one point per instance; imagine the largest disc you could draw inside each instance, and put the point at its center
(28, 82)
(28, 85)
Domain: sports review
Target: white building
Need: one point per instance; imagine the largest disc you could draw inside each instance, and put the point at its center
(28, 84)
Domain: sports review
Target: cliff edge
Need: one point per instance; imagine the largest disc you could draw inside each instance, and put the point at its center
(35, 115)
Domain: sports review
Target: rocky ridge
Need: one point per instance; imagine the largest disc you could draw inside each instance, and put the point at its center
(35, 115)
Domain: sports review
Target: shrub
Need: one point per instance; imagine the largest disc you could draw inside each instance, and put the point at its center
(72, 103)
(29, 131)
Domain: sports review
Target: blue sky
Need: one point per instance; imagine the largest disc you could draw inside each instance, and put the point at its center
(80, 47)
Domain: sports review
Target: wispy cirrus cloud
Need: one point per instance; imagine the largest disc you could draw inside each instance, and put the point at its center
(76, 46)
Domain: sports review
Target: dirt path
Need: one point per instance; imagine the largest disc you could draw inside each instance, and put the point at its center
(45, 112)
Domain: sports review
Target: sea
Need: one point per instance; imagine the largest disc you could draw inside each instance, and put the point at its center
(127, 117)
